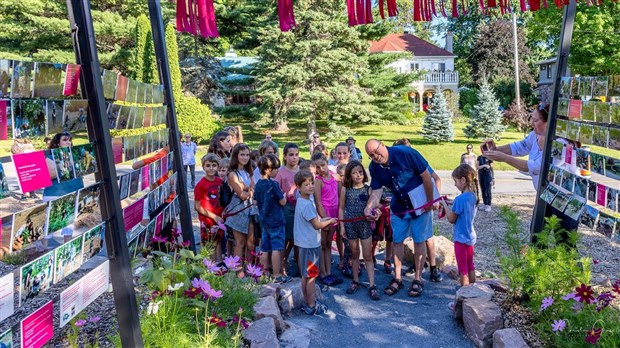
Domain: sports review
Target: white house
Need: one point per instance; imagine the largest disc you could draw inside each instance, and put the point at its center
(436, 63)
(546, 77)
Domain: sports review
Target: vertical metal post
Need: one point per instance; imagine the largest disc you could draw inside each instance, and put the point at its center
(161, 55)
(568, 23)
(111, 211)
(516, 57)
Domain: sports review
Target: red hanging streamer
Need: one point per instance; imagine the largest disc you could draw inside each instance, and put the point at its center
(212, 25)
(492, 3)
(359, 11)
(182, 18)
(351, 13)
(368, 12)
(443, 8)
(534, 5)
(380, 10)
(523, 5)
(392, 8)
(455, 10)
(286, 15)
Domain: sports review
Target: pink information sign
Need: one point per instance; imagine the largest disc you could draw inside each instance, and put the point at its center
(145, 177)
(32, 172)
(4, 123)
(601, 194)
(133, 214)
(72, 79)
(574, 108)
(38, 327)
(117, 150)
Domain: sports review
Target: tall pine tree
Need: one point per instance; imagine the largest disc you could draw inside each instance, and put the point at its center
(486, 119)
(438, 120)
(311, 72)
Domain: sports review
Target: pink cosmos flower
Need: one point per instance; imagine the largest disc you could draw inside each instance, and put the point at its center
(616, 286)
(255, 271)
(577, 307)
(211, 293)
(210, 265)
(558, 325)
(603, 300)
(243, 322)
(185, 244)
(94, 319)
(569, 296)
(218, 321)
(232, 262)
(80, 323)
(546, 302)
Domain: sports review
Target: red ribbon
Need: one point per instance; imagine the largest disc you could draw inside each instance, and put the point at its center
(534, 5)
(392, 8)
(380, 9)
(286, 15)
(359, 11)
(351, 12)
(425, 206)
(455, 10)
(369, 11)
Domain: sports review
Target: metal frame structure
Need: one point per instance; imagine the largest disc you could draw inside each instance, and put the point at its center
(161, 55)
(568, 24)
(98, 127)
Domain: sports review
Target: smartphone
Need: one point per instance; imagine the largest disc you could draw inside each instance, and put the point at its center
(484, 147)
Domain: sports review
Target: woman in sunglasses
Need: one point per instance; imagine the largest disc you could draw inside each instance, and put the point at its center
(469, 157)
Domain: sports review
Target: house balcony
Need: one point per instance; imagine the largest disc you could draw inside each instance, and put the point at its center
(440, 78)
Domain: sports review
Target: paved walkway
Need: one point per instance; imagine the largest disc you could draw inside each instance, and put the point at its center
(394, 321)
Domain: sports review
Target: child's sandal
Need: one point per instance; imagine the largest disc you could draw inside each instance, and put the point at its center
(353, 287)
(374, 293)
(395, 285)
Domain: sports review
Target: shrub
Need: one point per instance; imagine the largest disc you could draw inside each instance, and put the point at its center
(195, 118)
(468, 97)
(535, 273)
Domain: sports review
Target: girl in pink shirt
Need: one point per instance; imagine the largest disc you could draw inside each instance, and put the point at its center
(326, 190)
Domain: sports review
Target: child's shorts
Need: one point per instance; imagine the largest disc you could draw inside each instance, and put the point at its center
(272, 239)
(207, 235)
(464, 257)
(289, 216)
(309, 261)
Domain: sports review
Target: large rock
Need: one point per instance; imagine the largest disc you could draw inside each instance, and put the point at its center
(451, 271)
(261, 333)
(482, 318)
(295, 336)
(444, 251)
(475, 290)
(508, 338)
(601, 280)
(495, 284)
(271, 289)
(291, 296)
(267, 307)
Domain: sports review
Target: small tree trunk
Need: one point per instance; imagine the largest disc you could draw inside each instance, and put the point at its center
(311, 129)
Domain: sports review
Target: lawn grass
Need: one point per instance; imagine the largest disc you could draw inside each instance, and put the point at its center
(444, 156)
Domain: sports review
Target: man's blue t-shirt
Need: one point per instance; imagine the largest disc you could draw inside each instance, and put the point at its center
(401, 174)
(267, 193)
(464, 206)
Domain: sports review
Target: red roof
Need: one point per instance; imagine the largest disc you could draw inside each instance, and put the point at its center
(408, 43)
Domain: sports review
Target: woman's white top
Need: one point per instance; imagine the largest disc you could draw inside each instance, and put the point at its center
(529, 146)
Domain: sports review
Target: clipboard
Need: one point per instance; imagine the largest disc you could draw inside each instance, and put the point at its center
(418, 197)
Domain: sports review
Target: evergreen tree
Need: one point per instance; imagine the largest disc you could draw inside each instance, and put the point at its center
(311, 71)
(486, 119)
(388, 88)
(438, 120)
(149, 63)
(141, 31)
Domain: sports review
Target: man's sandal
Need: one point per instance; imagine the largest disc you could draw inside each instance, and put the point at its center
(416, 288)
(353, 287)
(395, 285)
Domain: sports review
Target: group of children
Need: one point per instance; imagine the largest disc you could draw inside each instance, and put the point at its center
(300, 206)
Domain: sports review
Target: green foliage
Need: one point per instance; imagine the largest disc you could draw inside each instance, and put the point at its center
(596, 44)
(310, 72)
(468, 97)
(172, 48)
(535, 273)
(192, 116)
(141, 31)
(388, 88)
(195, 118)
(504, 87)
(486, 119)
(580, 318)
(16, 258)
(173, 318)
(438, 120)
(492, 53)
